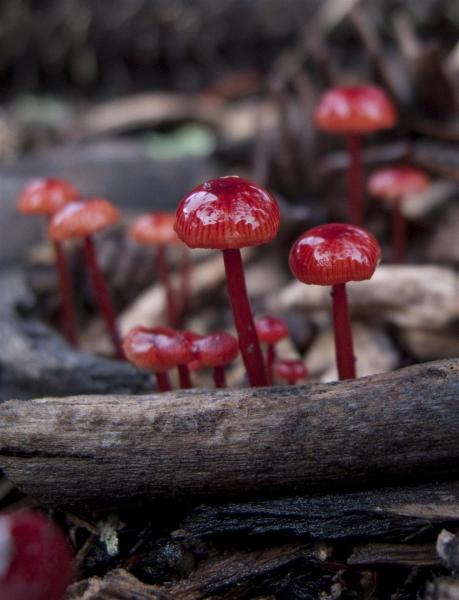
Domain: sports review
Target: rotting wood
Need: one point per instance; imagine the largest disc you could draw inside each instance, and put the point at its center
(107, 450)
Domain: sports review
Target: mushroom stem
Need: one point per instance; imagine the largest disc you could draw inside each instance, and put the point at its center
(355, 191)
(345, 360)
(164, 275)
(102, 295)
(186, 268)
(219, 377)
(184, 377)
(398, 233)
(162, 379)
(248, 339)
(67, 308)
(270, 358)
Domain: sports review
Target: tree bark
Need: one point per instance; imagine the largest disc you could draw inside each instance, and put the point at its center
(110, 450)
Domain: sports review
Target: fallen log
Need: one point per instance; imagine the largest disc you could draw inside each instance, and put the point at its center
(109, 450)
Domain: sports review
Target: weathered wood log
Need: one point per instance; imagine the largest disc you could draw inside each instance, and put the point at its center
(246, 442)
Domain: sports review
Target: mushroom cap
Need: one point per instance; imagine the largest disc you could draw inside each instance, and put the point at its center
(290, 369)
(355, 109)
(271, 329)
(36, 558)
(46, 196)
(83, 218)
(334, 253)
(394, 183)
(229, 212)
(155, 229)
(216, 349)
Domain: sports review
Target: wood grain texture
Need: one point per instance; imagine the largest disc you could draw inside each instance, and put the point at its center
(108, 450)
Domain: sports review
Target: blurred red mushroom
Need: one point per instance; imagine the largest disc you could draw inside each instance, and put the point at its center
(290, 370)
(271, 330)
(45, 197)
(354, 111)
(334, 254)
(81, 220)
(228, 214)
(394, 184)
(216, 350)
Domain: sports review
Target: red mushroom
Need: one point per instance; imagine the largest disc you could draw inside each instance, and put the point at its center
(334, 254)
(393, 184)
(45, 197)
(290, 370)
(35, 558)
(271, 330)
(216, 350)
(230, 213)
(82, 220)
(354, 111)
(187, 339)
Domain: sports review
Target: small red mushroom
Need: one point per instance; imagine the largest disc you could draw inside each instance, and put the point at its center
(354, 111)
(187, 339)
(334, 254)
(393, 184)
(216, 350)
(271, 330)
(82, 220)
(228, 214)
(45, 197)
(35, 558)
(290, 370)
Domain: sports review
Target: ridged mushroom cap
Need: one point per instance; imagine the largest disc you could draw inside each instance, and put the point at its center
(271, 329)
(46, 196)
(82, 218)
(216, 349)
(155, 229)
(290, 369)
(394, 183)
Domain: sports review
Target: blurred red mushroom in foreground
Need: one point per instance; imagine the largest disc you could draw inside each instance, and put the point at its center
(271, 330)
(355, 111)
(228, 214)
(82, 220)
(45, 197)
(334, 254)
(216, 350)
(394, 184)
(290, 370)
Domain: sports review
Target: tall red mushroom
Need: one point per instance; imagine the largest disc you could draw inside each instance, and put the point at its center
(354, 111)
(45, 197)
(216, 350)
(82, 220)
(334, 254)
(228, 214)
(394, 184)
(271, 330)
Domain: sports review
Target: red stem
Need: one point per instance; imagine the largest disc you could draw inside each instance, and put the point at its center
(248, 339)
(186, 269)
(165, 277)
(398, 233)
(219, 377)
(270, 357)
(67, 308)
(162, 379)
(184, 377)
(355, 190)
(345, 360)
(102, 295)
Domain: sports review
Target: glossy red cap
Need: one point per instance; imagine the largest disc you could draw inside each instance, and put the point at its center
(46, 196)
(355, 109)
(334, 253)
(229, 212)
(79, 219)
(216, 349)
(35, 558)
(271, 329)
(394, 183)
(290, 370)
(155, 229)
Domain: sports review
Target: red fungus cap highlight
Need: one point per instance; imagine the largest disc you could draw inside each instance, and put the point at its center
(229, 212)
(46, 196)
(394, 183)
(333, 254)
(271, 329)
(355, 109)
(35, 558)
(80, 219)
(290, 369)
(216, 349)
(155, 229)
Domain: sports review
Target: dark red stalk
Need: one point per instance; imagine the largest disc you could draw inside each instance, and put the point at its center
(102, 295)
(398, 233)
(270, 358)
(162, 379)
(219, 377)
(67, 308)
(184, 377)
(186, 268)
(248, 339)
(165, 278)
(355, 189)
(345, 359)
